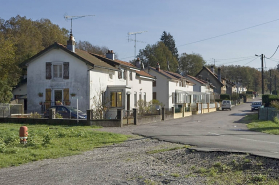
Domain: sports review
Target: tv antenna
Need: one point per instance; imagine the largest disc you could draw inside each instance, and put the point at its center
(66, 17)
(135, 33)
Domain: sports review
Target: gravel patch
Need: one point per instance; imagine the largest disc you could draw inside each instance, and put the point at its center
(137, 161)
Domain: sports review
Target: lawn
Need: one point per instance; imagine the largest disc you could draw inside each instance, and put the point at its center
(45, 142)
(269, 127)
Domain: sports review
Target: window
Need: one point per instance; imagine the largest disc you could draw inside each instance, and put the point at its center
(140, 96)
(125, 74)
(154, 83)
(173, 97)
(120, 74)
(116, 99)
(154, 96)
(57, 71)
(144, 99)
(110, 76)
(131, 75)
(135, 99)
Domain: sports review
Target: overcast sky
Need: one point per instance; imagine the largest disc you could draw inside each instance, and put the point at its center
(188, 21)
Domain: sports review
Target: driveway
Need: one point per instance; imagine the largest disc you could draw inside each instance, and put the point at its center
(217, 131)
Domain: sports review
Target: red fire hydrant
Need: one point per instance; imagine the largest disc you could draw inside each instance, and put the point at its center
(23, 133)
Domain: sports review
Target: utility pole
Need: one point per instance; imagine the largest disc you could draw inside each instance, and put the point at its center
(270, 81)
(275, 84)
(262, 57)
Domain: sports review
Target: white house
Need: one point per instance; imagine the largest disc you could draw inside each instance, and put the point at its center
(170, 88)
(203, 90)
(78, 78)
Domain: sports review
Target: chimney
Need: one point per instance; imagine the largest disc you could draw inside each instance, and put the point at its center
(110, 54)
(71, 43)
(212, 69)
(138, 63)
(219, 74)
(158, 67)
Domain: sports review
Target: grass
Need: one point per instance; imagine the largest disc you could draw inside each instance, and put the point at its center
(269, 127)
(45, 142)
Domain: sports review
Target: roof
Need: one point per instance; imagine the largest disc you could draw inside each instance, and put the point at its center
(164, 73)
(80, 54)
(210, 72)
(123, 63)
(200, 81)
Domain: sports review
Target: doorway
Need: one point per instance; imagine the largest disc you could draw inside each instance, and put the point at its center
(58, 94)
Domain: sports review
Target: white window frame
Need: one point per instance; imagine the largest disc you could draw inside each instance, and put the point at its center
(53, 71)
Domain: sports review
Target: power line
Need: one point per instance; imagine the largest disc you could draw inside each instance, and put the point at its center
(228, 33)
(236, 61)
(273, 53)
(251, 61)
(235, 58)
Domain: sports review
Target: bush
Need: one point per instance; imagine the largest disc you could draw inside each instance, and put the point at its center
(267, 99)
(275, 92)
(249, 92)
(225, 97)
(35, 115)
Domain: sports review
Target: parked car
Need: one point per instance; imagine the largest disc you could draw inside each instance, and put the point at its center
(256, 105)
(67, 112)
(226, 104)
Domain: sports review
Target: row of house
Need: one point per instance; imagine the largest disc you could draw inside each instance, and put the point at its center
(75, 77)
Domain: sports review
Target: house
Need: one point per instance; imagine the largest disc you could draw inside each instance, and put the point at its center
(20, 93)
(215, 79)
(171, 89)
(203, 87)
(64, 74)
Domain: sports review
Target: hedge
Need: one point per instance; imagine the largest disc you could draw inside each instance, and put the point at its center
(267, 98)
(225, 97)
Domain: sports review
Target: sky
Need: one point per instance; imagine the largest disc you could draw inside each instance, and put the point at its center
(224, 32)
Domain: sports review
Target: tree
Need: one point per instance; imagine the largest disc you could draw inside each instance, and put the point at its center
(9, 72)
(87, 46)
(168, 40)
(191, 64)
(158, 53)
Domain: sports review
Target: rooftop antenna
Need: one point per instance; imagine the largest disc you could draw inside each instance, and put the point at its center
(135, 33)
(66, 17)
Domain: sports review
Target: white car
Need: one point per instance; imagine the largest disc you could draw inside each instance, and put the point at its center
(226, 104)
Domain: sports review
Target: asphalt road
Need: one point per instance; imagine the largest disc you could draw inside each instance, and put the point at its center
(217, 131)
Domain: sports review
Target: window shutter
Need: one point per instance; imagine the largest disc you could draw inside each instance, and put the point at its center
(173, 97)
(66, 70)
(125, 74)
(48, 98)
(48, 70)
(66, 96)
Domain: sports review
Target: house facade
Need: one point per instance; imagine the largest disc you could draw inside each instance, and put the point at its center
(63, 74)
(215, 79)
(202, 87)
(171, 89)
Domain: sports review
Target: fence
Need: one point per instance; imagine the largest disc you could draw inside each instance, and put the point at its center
(6, 110)
(268, 113)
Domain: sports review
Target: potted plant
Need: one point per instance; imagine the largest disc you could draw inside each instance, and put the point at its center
(58, 103)
(73, 94)
(40, 94)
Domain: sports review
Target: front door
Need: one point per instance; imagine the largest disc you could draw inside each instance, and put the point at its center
(58, 96)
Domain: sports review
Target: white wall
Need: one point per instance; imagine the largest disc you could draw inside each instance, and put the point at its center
(37, 82)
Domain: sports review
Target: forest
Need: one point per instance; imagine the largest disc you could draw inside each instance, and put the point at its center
(21, 38)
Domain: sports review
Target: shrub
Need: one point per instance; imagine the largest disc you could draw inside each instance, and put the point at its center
(57, 115)
(225, 97)
(35, 115)
(267, 99)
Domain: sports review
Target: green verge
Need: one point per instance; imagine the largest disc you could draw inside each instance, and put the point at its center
(48, 142)
(269, 127)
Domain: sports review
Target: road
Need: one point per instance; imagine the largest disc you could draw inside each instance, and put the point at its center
(217, 131)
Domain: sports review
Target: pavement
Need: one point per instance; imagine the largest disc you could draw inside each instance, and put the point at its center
(217, 131)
